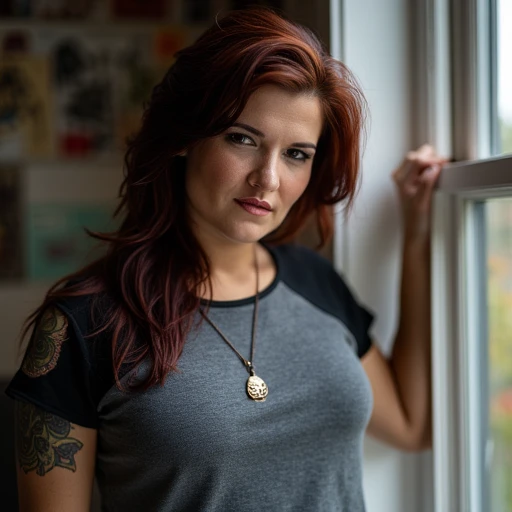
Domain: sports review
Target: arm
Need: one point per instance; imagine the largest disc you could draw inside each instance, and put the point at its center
(402, 385)
(55, 462)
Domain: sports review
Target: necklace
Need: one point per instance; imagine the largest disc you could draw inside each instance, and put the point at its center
(255, 387)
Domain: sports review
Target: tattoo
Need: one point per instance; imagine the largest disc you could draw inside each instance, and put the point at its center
(44, 348)
(42, 440)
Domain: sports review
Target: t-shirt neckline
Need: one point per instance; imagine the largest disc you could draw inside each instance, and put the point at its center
(249, 300)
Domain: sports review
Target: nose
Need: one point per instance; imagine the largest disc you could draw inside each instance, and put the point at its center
(265, 175)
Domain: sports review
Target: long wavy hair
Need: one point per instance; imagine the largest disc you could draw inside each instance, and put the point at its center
(153, 266)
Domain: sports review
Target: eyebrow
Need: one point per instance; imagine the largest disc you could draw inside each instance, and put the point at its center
(262, 135)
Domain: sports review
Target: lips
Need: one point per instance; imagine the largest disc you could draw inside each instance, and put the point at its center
(255, 202)
(254, 207)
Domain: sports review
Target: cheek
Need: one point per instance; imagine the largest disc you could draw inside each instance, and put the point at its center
(225, 170)
(219, 171)
(296, 186)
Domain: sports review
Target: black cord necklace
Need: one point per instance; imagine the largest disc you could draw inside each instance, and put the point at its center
(256, 387)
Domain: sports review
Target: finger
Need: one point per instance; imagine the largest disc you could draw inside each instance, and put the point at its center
(407, 164)
(426, 149)
(431, 174)
(403, 171)
(427, 183)
(415, 169)
(415, 162)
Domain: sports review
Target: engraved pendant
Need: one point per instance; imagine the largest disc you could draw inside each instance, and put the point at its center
(256, 388)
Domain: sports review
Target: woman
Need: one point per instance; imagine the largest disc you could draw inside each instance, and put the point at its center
(203, 364)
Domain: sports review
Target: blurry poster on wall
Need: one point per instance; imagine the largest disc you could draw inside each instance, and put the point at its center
(84, 109)
(11, 260)
(25, 107)
(137, 73)
(51, 9)
(56, 241)
(166, 42)
(65, 9)
(101, 84)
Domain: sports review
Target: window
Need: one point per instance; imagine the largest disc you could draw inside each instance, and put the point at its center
(472, 257)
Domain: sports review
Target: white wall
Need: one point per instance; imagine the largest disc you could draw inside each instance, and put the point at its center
(376, 41)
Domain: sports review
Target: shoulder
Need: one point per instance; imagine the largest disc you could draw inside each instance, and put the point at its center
(68, 333)
(61, 372)
(307, 272)
(295, 260)
(67, 367)
(85, 312)
(314, 278)
(69, 322)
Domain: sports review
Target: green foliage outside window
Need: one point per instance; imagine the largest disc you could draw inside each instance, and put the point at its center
(499, 268)
(506, 137)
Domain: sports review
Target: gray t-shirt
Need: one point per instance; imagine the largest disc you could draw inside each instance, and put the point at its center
(199, 443)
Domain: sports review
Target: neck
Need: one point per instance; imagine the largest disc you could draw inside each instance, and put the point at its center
(232, 269)
(231, 259)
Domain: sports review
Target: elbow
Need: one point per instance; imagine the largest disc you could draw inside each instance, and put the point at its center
(419, 442)
(418, 447)
(426, 443)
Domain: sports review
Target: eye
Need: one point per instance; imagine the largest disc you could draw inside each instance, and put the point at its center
(297, 154)
(240, 138)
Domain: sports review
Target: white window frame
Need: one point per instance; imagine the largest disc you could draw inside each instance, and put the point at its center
(454, 54)
(455, 303)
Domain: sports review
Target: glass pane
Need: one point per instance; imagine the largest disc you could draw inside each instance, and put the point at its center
(504, 26)
(498, 219)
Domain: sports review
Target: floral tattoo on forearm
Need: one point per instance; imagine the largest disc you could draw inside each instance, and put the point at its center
(43, 441)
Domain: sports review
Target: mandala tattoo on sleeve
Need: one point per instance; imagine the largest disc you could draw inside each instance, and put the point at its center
(43, 441)
(46, 343)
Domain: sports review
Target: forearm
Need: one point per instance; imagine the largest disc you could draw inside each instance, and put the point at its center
(410, 359)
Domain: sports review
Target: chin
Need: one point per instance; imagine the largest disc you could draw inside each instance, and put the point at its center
(248, 236)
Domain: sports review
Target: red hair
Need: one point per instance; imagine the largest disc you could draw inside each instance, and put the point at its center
(153, 264)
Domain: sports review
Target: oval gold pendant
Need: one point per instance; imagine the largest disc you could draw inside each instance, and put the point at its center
(256, 388)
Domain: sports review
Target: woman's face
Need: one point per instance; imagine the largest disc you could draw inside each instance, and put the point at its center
(266, 155)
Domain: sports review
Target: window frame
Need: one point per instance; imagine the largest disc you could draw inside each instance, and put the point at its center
(456, 70)
(455, 354)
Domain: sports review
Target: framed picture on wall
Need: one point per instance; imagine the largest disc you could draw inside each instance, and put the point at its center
(26, 127)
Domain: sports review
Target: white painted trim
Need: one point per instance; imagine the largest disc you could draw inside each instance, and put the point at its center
(462, 358)
(335, 27)
(444, 349)
(336, 45)
(432, 55)
(470, 367)
(477, 178)
(473, 81)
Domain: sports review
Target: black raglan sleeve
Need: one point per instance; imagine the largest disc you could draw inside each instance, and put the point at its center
(55, 374)
(315, 278)
(357, 317)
